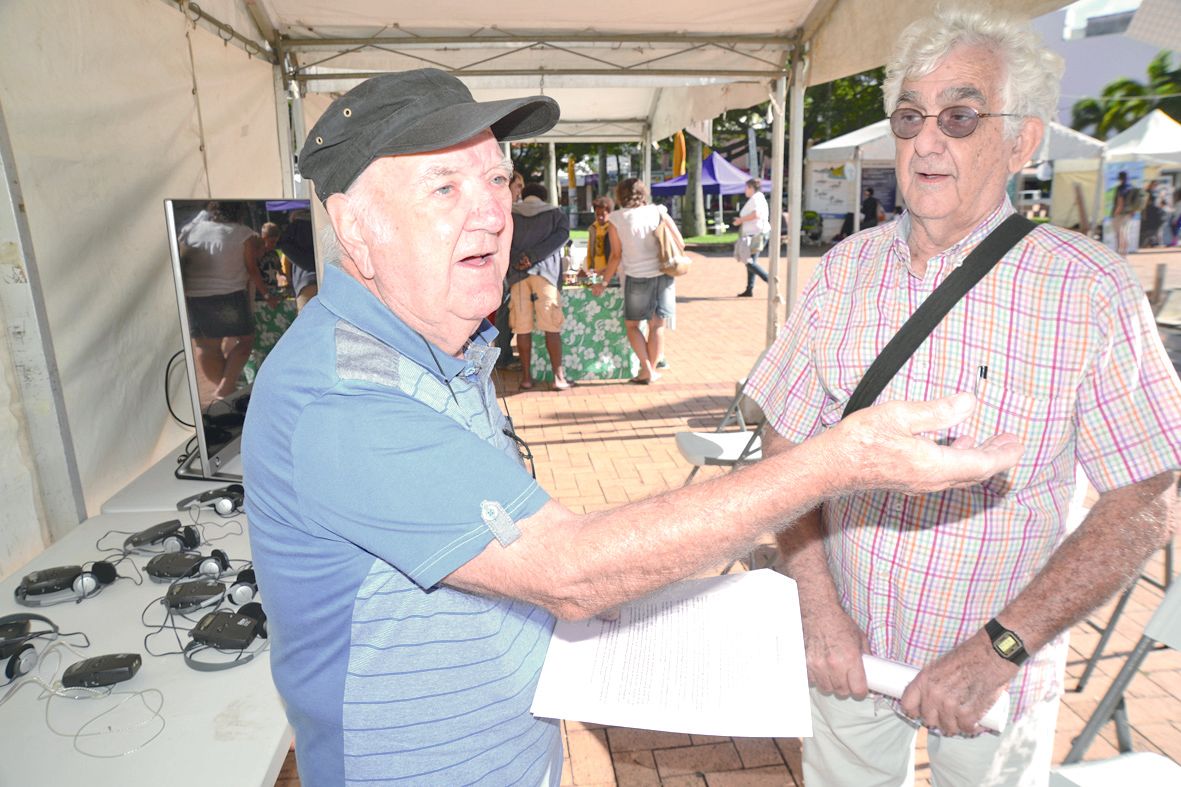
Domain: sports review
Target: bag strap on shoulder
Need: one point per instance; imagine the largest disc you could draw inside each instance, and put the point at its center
(936, 306)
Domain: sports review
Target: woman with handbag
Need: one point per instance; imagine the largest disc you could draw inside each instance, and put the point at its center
(648, 293)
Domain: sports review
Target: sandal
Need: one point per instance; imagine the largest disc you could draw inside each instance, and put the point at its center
(525, 385)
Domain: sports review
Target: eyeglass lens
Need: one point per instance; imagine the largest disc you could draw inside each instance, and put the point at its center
(953, 121)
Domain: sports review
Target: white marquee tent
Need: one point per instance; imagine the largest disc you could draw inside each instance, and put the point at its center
(1156, 137)
(106, 109)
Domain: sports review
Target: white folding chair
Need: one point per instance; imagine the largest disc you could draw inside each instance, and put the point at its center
(725, 446)
(1164, 628)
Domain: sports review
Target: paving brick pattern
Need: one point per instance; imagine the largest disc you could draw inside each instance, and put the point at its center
(602, 444)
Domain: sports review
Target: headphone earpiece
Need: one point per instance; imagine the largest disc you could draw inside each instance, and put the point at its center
(235, 495)
(90, 582)
(215, 565)
(20, 663)
(188, 538)
(254, 610)
(244, 589)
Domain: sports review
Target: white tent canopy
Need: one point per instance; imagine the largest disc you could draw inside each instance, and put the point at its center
(1155, 136)
(106, 109)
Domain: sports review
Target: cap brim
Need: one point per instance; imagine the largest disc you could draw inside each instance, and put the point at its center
(510, 119)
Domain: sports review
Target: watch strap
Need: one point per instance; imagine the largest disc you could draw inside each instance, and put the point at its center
(1003, 640)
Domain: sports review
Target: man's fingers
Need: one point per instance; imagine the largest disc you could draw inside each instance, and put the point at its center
(857, 683)
(937, 414)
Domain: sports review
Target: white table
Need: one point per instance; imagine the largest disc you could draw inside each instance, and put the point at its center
(220, 727)
(158, 488)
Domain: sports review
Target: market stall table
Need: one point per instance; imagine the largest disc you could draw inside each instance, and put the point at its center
(594, 339)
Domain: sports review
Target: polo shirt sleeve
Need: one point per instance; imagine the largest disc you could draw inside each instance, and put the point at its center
(785, 383)
(1129, 403)
(405, 483)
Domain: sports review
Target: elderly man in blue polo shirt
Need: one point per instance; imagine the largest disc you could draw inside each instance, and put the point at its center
(412, 567)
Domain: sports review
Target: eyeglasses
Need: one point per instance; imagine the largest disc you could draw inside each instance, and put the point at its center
(956, 122)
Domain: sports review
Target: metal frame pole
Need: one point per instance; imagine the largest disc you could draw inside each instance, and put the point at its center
(774, 296)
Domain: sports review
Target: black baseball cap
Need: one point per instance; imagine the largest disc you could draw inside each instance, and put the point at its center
(409, 112)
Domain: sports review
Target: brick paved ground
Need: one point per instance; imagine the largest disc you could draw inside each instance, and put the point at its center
(602, 444)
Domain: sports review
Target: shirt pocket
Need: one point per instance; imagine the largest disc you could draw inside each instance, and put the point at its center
(1045, 425)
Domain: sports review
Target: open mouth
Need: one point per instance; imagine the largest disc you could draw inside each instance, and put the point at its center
(477, 260)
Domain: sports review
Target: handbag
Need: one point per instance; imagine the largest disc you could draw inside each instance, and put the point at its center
(936, 306)
(673, 260)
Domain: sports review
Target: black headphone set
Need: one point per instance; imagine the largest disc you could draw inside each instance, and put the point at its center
(225, 501)
(226, 630)
(244, 589)
(60, 584)
(16, 647)
(171, 566)
(168, 536)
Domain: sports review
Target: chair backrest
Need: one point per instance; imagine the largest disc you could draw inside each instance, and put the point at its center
(1165, 624)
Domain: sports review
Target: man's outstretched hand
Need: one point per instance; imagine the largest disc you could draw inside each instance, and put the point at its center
(889, 446)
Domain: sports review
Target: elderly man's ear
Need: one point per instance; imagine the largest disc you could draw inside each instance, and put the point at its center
(347, 224)
(1026, 143)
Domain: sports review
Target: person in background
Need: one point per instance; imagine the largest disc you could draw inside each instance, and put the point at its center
(540, 230)
(754, 227)
(648, 294)
(598, 241)
(1121, 213)
(975, 587)
(299, 248)
(413, 566)
(871, 209)
(219, 263)
(516, 186)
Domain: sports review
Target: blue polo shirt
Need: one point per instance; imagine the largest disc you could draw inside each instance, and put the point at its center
(375, 465)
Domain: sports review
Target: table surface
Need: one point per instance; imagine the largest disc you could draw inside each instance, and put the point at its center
(594, 339)
(223, 727)
(158, 489)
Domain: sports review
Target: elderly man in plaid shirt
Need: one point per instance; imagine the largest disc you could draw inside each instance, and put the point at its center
(975, 586)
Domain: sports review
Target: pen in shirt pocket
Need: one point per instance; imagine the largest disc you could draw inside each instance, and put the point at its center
(980, 380)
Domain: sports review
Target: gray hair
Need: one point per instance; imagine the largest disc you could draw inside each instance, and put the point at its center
(1032, 74)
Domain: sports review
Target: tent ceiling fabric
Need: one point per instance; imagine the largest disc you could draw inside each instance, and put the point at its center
(621, 68)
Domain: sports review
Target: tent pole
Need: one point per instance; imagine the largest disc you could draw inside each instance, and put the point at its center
(1100, 180)
(283, 124)
(857, 159)
(774, 297)
(795, 170)
(37, 399)
(551, 174)
(646, 143)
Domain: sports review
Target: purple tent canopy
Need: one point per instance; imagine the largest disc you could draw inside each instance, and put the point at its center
(718, 176)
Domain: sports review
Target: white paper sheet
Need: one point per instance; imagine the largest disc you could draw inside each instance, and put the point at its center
(891, 678)
(717, 656)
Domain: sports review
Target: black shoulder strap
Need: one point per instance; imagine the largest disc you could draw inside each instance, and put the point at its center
(932, 311)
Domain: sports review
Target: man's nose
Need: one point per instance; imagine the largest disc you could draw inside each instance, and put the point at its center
(930, 138)
(489, 211)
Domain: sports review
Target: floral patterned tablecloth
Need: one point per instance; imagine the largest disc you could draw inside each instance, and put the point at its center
(269, 325)
(594, 340)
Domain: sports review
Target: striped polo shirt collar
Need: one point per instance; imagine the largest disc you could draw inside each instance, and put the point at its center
(345, 297)
(952, 257)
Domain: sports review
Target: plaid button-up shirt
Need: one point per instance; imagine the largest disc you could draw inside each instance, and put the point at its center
(1074, 366)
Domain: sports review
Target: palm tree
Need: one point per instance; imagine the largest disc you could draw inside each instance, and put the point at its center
(1124, 101)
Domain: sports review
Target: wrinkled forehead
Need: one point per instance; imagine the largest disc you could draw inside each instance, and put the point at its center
(474, 157)
(966, 75)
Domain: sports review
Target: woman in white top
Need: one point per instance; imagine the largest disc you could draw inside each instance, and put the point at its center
(648, 294)
(752, 237)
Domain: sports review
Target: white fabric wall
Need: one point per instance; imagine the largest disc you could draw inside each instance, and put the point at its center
(104, 126)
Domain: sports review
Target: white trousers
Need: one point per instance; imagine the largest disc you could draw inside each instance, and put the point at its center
(855, 743)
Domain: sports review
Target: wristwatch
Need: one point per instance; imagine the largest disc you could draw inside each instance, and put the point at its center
(1006, 643)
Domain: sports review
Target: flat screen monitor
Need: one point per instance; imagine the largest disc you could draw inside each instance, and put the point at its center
(237, 265)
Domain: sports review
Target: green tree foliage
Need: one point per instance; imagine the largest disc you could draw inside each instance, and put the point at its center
(1123, 102)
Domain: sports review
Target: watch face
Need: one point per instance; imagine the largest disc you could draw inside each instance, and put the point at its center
(1007, 644)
